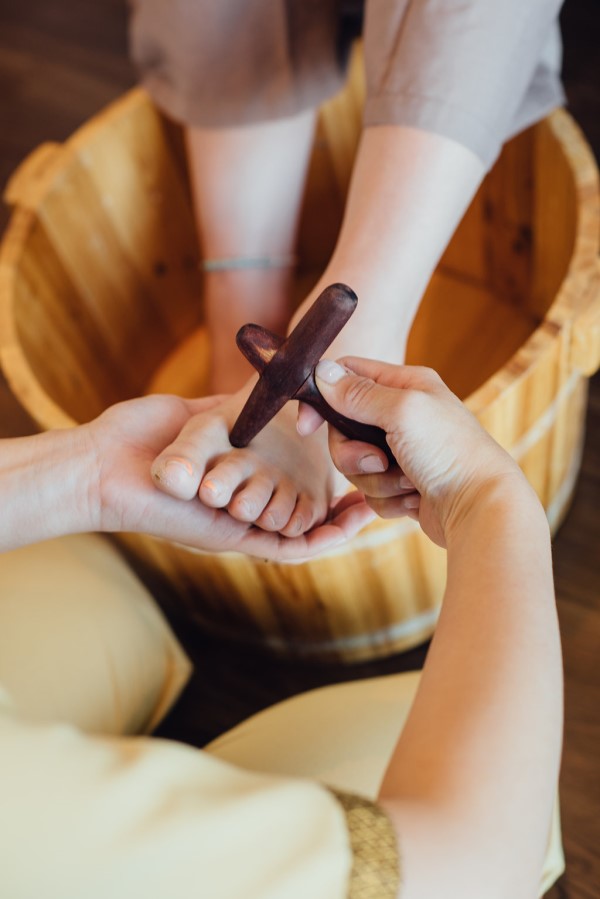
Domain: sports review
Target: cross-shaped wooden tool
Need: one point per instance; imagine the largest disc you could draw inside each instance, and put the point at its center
(286, 369)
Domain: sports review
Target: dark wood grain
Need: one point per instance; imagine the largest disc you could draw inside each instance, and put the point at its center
(286, 369)
(62, 61)
(292, 360)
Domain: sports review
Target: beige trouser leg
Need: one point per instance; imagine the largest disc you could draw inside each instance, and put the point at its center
(82, 641)
(344, 736)
(84, 651)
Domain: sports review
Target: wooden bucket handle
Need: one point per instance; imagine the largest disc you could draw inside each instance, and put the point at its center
(585, 339)
(28, 182)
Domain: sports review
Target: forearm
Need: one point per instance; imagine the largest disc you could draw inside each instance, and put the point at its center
(477, 762)
(46, 484)
(408, 193)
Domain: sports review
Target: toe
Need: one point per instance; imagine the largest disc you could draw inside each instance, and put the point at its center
(250, 500)
(302, 518)
(223, 479)
(178, 469)
(277, 513)
(176, 476)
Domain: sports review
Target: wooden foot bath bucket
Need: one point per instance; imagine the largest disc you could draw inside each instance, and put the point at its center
(100, 292)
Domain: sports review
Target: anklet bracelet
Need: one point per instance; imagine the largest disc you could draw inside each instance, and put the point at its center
(236, 263)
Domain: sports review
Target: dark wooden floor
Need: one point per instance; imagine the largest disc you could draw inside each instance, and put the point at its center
(60, 62)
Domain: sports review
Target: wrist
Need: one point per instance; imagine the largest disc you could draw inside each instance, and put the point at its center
(67, 479)
(48, 485)
(503, 502)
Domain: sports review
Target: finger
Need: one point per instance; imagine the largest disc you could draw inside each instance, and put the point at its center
(353, 457)
(353, 497)
(193, 524)
(396, 506)
(383, 486)
(401, 377)
(356, 396)
(351, 516)
(309, 420)
(354, 514)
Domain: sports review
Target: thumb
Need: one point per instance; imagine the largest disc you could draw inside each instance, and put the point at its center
(356, 396)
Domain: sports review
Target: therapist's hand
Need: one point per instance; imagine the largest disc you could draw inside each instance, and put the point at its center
(116, 452)
(446, 461)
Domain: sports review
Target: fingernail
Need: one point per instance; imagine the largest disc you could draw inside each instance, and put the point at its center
(405, 483)
(329, 371)
(371, 464)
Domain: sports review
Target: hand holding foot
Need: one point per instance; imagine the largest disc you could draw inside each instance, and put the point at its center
(447, 462)
(281, 482)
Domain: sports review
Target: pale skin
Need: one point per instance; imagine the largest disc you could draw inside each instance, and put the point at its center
(471, 784)
(408, 192)
(96, 477)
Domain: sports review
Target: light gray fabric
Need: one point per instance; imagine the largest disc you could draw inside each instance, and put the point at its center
(230, 62)
(476, 71)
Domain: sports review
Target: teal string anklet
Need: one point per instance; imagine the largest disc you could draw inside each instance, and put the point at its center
(239, 263)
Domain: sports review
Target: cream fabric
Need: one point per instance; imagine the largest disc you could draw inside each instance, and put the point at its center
(84, 816)
(343, 735)
(84, 651)
(82, 641)
(139, 818)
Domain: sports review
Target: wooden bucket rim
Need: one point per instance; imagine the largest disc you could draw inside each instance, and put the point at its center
(579, 288)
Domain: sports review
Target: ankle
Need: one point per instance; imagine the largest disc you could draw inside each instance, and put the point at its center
(233, 298)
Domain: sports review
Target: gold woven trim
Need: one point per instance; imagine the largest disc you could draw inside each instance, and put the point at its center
(375, 870)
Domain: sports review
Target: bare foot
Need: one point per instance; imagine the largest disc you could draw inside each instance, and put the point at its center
(281, 482)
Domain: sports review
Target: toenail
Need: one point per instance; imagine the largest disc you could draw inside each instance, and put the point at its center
(246, 507)
(173, 472)
(371, 464)
(173, 467)
(214, 486)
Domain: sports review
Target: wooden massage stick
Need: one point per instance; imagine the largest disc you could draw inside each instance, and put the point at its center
(286, 369)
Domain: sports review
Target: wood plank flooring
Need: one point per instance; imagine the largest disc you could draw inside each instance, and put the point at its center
(59, 63)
